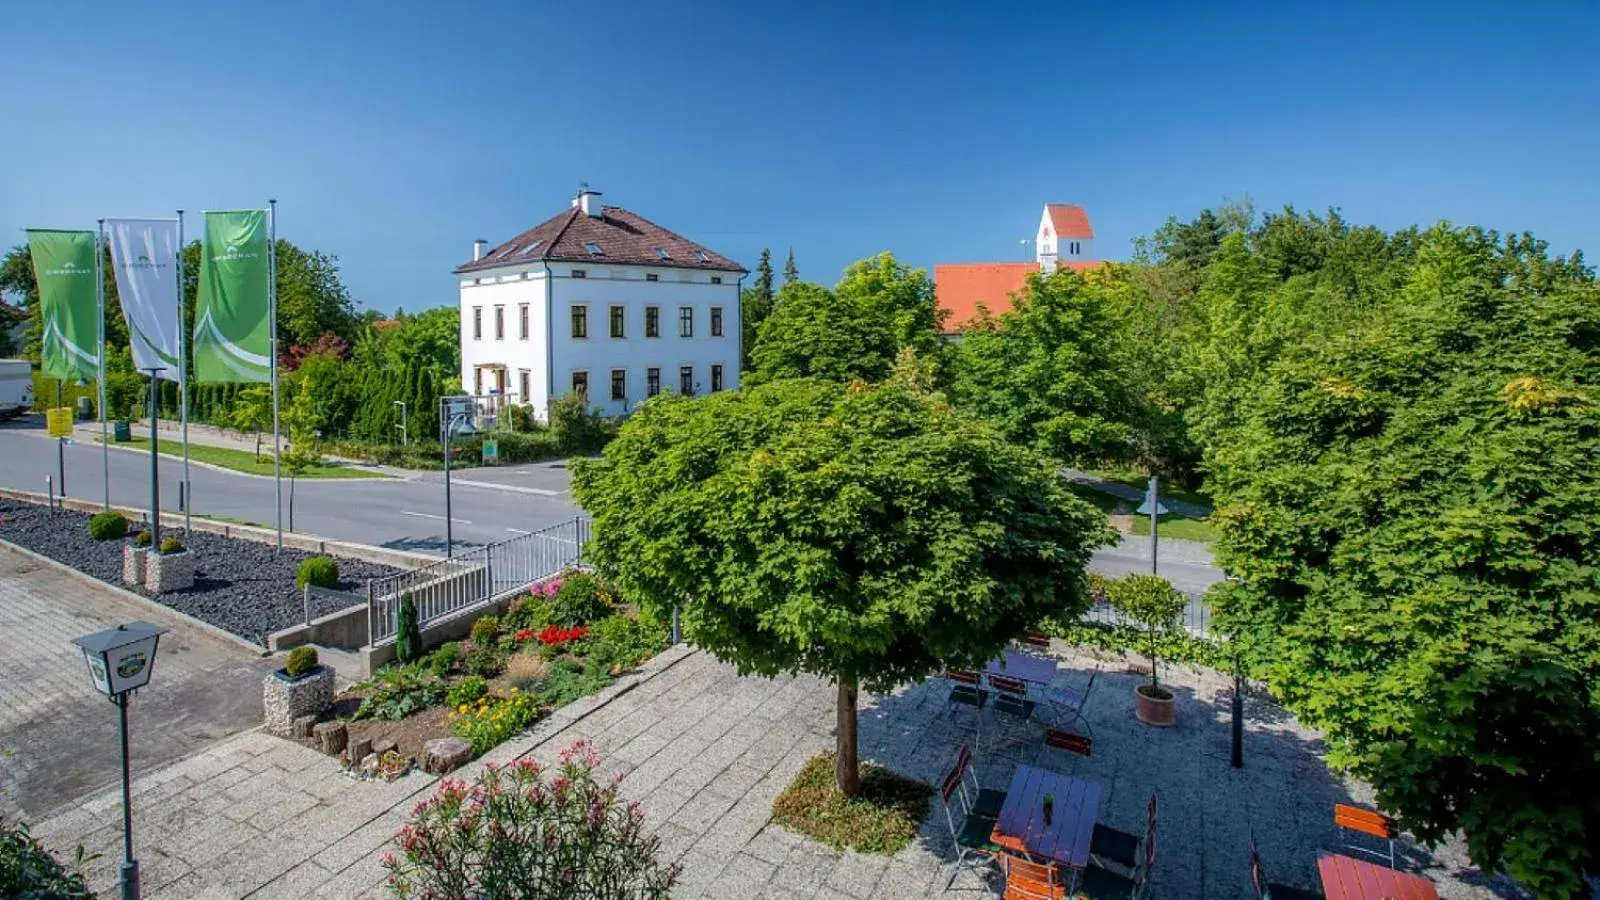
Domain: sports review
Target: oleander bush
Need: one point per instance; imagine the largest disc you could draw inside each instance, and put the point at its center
(28, 870)
(108, 526)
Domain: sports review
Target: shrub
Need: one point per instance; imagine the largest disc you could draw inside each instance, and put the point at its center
(580, 599)
(530, 612)
(467, 690)
(527, 671)
(624, 640)
(300, 661)
(408, 632)
(143, 538)
(28, 870)
(579, 428)
(485, 662)
(318, 571)
(486, 630)
(470, 840)
(566, 683)
(1151, 601)
(443, 660)
(398, 692)
(171, 545)
(883, 818)
(108, 526)
(492, 719)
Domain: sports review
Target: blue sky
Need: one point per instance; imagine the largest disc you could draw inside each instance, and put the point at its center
(394, 134)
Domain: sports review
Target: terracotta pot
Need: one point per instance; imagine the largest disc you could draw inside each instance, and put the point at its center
(1153, 705)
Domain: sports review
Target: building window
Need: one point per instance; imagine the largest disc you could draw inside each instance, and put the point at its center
(651, 276)
(716, 378)
(662, 252)
(579, 273)
(716, 321)
(619, 384)
(477, 323)
(499, 323)
(522, 321)
(652, 321)
(652, 382)
(686, 321)
(618, 321)
(580, 383)
(593, 248)
(686, 380)
(716, 279)
(522, 382)
(580, 321)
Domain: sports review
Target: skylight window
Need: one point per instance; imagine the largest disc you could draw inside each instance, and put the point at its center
(594, 249)
(701, 255)
(531, 247)
(505, 251)
(662, 252)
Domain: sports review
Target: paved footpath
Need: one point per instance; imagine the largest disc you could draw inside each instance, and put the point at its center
(58, 738)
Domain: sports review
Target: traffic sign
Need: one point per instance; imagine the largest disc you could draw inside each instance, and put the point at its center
(58, 421)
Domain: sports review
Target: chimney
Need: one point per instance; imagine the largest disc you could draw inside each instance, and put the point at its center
(589, 202)
(478, 246)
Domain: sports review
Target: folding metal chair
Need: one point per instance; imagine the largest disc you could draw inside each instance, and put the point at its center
(1368, 822)
(1265, 890)
(981, 801)
(1103, 884)
(1107, 844)
(1068, 742)
(966, 692)
(972, 837)
(1069, 704)
(1028, 880)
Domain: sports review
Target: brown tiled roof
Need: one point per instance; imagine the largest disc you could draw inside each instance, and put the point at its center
(1069, 220)
(960, 287)
(623, 237)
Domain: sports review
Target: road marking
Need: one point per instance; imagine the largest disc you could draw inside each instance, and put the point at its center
(543, 492)
(519, 531)
(407, 512)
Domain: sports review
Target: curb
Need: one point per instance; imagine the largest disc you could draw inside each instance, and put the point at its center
(153, 605)
(225, 470)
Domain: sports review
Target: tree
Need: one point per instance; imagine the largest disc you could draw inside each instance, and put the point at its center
(813, 333)
(791, 272)
(1409, 502)
(899, 297)
(304, 423)
(312, 301)
(1151, 601)
(868, 534)
(1044, 374)
(251, 412)
(755, 305)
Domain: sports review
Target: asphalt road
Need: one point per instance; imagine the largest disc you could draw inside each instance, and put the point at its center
(408, 513)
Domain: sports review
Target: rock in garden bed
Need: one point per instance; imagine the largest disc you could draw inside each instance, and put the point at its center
(241, 586)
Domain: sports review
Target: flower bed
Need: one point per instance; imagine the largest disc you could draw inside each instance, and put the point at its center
(240, 586)
(562, 641)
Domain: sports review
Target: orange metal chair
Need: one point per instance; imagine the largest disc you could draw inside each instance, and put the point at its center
(1027, 880)
(1368, 822)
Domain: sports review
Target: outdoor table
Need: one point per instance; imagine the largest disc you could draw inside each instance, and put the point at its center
(1021, 826)
(1344, 878)
(1024, 667)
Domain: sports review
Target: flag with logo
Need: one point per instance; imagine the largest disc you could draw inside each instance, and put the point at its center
(232, 324)
(144, 255)
(64, 267)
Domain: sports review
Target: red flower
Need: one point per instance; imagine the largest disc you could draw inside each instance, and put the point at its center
(555, 634)
(524, 635)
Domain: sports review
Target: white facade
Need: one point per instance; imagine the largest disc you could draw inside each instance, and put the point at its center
(548, 360)
(1053, 248)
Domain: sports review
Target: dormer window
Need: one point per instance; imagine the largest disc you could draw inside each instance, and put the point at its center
(662, 253)
(701, 255)
(593, 248)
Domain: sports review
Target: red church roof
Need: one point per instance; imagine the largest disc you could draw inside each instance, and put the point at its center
(1069, 220)
(961, 287)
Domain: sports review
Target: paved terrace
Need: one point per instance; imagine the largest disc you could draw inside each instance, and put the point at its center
(707, 751)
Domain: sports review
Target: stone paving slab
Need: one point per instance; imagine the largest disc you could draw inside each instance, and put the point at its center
(707, 777)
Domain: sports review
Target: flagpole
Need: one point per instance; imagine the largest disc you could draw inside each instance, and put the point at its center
(183, 378)
(100, 298)
(272, 313)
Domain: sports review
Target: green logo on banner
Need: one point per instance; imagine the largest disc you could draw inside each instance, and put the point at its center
(232, 325)
(63, 265)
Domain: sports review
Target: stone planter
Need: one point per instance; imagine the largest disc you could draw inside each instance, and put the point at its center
(285, 699)
(133, 564)
(1153, 705)
(169, 571)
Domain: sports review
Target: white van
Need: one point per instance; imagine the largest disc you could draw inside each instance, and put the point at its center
(16, 387)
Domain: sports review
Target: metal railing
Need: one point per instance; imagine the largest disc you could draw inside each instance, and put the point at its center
(1196, 618)
(474, 578)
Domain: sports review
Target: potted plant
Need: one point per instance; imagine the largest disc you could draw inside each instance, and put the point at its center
(169, 567)
(303, 687)
(133, 557)
(1155, 604)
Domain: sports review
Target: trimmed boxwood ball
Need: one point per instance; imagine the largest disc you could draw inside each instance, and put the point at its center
(318, 571)
(300, 661)
(108, 526)
(143, 538)
(171, 545)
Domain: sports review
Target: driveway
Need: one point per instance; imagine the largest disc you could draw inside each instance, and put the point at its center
(58, 739)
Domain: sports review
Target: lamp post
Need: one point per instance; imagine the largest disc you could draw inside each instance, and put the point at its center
(1153, 508)
(455, 417)
(404, 433)
(120, 660)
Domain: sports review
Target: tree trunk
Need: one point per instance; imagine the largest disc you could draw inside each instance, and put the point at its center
(846, 766)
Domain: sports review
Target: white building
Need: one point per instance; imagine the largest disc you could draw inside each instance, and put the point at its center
(598, 300)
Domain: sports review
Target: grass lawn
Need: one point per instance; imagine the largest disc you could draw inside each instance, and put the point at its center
(882, 819)
(1173, 526)
(1100, 499)
(244, 460)
(1141, 481)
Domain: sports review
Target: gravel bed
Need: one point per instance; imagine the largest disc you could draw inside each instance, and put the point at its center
(240, 586)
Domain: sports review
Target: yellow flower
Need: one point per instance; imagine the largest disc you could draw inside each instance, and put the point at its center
(463, 709)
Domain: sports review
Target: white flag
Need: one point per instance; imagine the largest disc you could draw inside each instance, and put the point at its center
(144, 253)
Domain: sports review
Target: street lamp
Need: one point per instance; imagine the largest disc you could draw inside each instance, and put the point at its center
(1155, 509)
(120, 661)
(455, 417)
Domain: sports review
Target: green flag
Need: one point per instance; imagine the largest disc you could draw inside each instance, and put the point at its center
(232, 324)
(64, 266)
